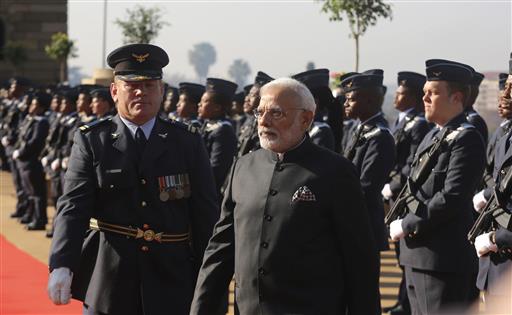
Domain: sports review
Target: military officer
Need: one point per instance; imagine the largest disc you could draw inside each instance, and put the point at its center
(217, 131)
(317, 81)
(147, 186)
(297, 235)
(437, 257)
(372, 147)
(102, 105)
(30, 143)
(248, 140)
(189, 97)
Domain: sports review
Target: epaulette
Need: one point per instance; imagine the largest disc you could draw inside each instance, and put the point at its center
(453, 134)
(181, 125)
(71, 120)
(94, 124)
(212, 126)
(472, 114)
(374, 132)
(39, 118)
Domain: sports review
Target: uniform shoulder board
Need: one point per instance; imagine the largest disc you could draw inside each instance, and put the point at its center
(453, 134)
(181, 125)
(225, 123)
(472, 114)
(88, 127)
(374, 132)
(40, 118)
(213, 126)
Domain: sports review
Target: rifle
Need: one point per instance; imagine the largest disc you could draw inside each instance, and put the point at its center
(406, 201)
(494, 212)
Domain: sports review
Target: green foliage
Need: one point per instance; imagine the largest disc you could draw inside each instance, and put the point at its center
(15, 53)
(142, 25)
(61, 47)
(239, 71)
(202, 56)
(361, 14)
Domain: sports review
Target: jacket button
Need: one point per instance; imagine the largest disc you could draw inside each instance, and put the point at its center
(261, 271)
(273, 192)
(264, 244)
(111, 186)
(143, 181)
(143, 203)
(268, 217)
(144, 248)
(279, 168)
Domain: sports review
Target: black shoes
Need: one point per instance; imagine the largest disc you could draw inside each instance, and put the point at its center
(396, 309)
(35, 226)
(16, 214)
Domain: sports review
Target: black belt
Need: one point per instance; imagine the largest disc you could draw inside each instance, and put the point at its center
(147, 234)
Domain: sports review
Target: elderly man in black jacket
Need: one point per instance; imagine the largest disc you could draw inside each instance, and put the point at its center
(294, 229)
(148, 185)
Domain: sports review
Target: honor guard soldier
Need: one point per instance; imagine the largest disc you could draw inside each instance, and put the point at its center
(505, 112)
(349, 124)
(102, 104)
(31, 140)
(297, 235)
(317, 81)
(189, 97)
(438, 260)
(408, 130)
(494, 248)
(143, 190)
(472, 116)
(217, 131)
(170, 102)
(372, 147)
(236, 114)
(248, 140)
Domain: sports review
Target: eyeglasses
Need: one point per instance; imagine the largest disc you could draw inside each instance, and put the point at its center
(275, 113)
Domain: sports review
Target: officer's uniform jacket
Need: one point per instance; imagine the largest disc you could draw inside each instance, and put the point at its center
(31, 140)
(220, 140)
(104, 180)
(11, 123)
(296, 236)
(436, 236)
(248, 140)
(502, 130)
(408, 134)
(493, 267)
(372, 150)
(321, 134)
(476, 120)
(349, 126)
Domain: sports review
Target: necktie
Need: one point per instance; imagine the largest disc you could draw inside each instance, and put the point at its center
(140, 140)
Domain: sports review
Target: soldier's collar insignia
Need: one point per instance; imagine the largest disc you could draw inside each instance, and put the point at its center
(140, 58)
(114, 135)
(163, 135)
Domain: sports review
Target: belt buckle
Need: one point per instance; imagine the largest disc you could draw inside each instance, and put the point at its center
(149, 235)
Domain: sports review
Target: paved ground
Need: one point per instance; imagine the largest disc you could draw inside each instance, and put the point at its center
(36, 244)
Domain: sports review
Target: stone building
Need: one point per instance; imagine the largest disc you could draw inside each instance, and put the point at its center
(31, 23)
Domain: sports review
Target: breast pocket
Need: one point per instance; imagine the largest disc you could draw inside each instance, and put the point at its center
(115, 179)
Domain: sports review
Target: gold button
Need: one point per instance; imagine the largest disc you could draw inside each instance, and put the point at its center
(143, 203)
(143, 181)
(111, 186)
(144, 248)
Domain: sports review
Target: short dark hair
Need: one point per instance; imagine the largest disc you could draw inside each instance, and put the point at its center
(459, 87)
(222, 99)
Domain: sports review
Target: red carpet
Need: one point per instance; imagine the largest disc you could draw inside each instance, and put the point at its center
(23, 282)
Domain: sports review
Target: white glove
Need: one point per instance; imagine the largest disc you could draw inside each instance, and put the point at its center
(15, 154)
(386, 192)
(395, 230)
(479, 201)
(64, 163)
(483, 244)
(59, 285)
(44, 161)
(5, 141)
(55, 165)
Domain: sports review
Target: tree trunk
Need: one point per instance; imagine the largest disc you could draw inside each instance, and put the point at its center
(62, 72)
(356, 38)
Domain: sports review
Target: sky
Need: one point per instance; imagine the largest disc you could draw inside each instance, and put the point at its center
(281, 37)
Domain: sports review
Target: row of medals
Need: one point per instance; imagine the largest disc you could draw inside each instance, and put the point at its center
(175, 193)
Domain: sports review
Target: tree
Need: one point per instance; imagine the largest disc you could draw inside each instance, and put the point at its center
(310, 66)
(202, 56)
(361, 14)
(239, 71)
(142, 25)
(15, 53)
(61, 48)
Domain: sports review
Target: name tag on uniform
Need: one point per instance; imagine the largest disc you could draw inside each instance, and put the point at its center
(114, 171)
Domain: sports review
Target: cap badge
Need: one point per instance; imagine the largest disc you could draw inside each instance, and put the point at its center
(437, 73)
(140, 58)
(349, 84)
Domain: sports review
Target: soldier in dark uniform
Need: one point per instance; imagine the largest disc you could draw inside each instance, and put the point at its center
(494, 248)
(372, 147)
(472, 116)
(170, 102)
(9, 135)
(349, 124)
(409, 130)
(30, 143)
(217, 131)
(297, 235)
(317, 81)
(189, 97)
(236, 113)
(438, 259)
(102, 105)
(504, 112)
(248, 140)
(149, 187)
